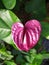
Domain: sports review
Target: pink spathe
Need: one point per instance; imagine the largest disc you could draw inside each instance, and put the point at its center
(26, 36)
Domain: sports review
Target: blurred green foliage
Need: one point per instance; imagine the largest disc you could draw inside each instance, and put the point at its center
(9, 4)
(36, 8)
(9, 54)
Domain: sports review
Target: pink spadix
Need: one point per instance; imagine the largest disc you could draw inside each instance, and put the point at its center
(26, 36)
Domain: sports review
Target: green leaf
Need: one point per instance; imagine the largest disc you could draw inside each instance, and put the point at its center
(4, 29)
(45, 29)
(36, 8)
(42, 56)
(31, 55)
(33, 51)
(37, 62)
(45, 56)
(4, 54)
(9, 4)
(7, 18)
(9, 40)
(39, 58)
(10, 63)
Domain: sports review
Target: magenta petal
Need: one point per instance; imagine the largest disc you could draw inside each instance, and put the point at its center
(26, 37)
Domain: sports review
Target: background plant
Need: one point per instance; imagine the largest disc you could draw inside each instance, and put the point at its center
(12, 11)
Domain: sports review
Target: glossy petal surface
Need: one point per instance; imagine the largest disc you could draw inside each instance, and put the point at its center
(27, 36)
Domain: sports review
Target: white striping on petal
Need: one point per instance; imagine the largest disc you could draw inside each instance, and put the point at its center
(39, 28)
(24, 41)
(34, 38)
(36, 30)
(20, 37)
(19, 24)
(33, 35)
(37, 35)
(30, 37)
(14, 28)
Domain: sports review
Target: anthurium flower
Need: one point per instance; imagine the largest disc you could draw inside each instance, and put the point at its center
(26, 36)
